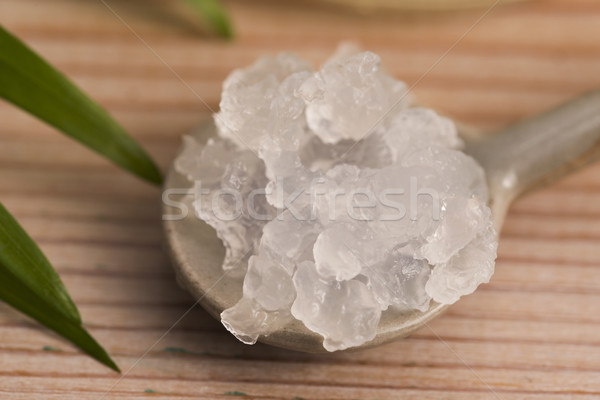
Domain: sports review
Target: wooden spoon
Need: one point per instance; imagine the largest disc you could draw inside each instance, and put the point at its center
(522, 157)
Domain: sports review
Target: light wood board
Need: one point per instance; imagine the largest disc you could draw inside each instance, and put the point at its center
(532, 333)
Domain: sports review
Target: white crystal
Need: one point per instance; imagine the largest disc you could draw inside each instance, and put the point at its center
(346, 98)
(345, 313)
(247, 320)
(473, 265)
(269, 284)
(398, 282)
(359, 201)
(336, 252)
(252, 102)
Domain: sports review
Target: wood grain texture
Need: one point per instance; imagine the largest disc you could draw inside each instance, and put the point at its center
(532, 333)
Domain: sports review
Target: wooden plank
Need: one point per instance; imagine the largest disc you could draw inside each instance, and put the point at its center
(531, 333)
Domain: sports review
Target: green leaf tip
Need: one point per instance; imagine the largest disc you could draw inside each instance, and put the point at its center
(214, 14)
(29, 284)
(30, 83)
(23, 260)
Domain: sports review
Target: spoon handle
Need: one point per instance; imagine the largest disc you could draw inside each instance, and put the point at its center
(541, 149)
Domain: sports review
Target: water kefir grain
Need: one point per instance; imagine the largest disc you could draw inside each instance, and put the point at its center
(360, 201)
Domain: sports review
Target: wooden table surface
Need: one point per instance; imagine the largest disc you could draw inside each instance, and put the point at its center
(532, 333)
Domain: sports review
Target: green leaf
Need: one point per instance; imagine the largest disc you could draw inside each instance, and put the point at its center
(32, 84)
(214, 14)
(30, 284)
(22, 258)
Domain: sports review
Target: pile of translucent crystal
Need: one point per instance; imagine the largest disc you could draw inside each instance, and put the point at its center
(336, 199)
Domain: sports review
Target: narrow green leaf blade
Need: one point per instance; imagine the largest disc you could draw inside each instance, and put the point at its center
(32, 84)
(19, 296)
(214, 14)
(30, 284)
(20, 256)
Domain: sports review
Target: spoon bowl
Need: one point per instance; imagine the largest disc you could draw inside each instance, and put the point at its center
(520, 158)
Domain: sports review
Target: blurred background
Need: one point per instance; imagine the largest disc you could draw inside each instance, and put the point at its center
(532, 333)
